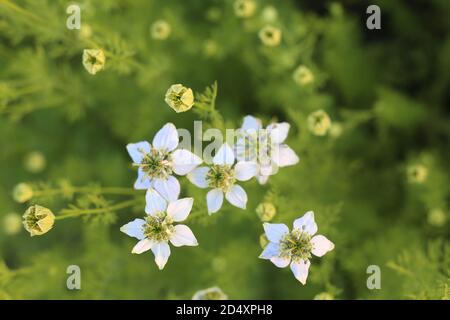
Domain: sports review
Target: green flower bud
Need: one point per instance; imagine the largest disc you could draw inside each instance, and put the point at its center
(303, 76)
(266, 211)
(23, 192)
(38, 220)
(35, 162)
(12, 223)
(160, 30)
(270, 36)
(93, 60)
(263, 241)
(214, 293)
(179, 98)
(269, 14)
(244, 8)
(324, 296)
(417, 173)
(319, 123)
(437, 218)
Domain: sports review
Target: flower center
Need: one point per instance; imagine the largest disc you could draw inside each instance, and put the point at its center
(296, 245)
(158, 227)
(157, 164)
(221, 177)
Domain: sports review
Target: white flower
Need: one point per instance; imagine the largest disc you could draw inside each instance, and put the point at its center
(265, 147)
(156, 230)
(158, 162)
(295, 247)
(221, 176)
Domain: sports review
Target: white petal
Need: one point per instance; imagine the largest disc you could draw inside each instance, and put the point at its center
(270, 251)
(251, 123)
(306, 223)
(180, 209)
(184, 161)
(300, 270)
(321, 245)
(245, 170)
(142, 181)
(214, 200)
(183, 236)
(224, 155)
(280, 262)
(262, 179)
(278, 131)
(134, 229)
(237, 196)
(161, 250)
(275, 231)
(154, 202)
(198, 177)
(284, 156)
(169, 189)
(142, 246)
(166, 138)
(136, 150)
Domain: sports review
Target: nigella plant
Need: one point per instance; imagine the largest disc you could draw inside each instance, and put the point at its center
(295, 247)
(221, 177)
(157, 229)
(264, 147)
(157, 162)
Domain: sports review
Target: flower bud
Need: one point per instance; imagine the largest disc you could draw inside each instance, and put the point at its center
(270, 36)
(244, 8)
(263, 240)
(179, 98)
(93, 60)
(319, 123)
(35, 162)
(160, 30)
(38, 220)
(266, 211)
(269, 14)
(214, 293)
(417, 173)
(23, 192)
(324, 296)
(303, 76)
(437, 218)
(12, 223)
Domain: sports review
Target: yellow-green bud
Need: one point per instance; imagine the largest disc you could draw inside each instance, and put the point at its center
(214, 293)
(437, 218)
(324, 296)
(23, 192)
(160, 30)
(263, 240)
(417, 173)
(179, 98)
(270, 36)
(269, 14)
(12, 223)
(93, 60)
(244, 8)
(266, 211)
(35, 162)
(38, 220)
(303, 76)
(319, 123)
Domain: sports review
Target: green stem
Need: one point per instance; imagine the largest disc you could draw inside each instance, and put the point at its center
(107, 190)
(75, 213)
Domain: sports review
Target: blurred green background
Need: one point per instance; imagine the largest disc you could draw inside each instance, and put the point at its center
(378, 181)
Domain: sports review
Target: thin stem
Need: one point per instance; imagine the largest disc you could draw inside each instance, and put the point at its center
(107, 190)
(75, 213)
